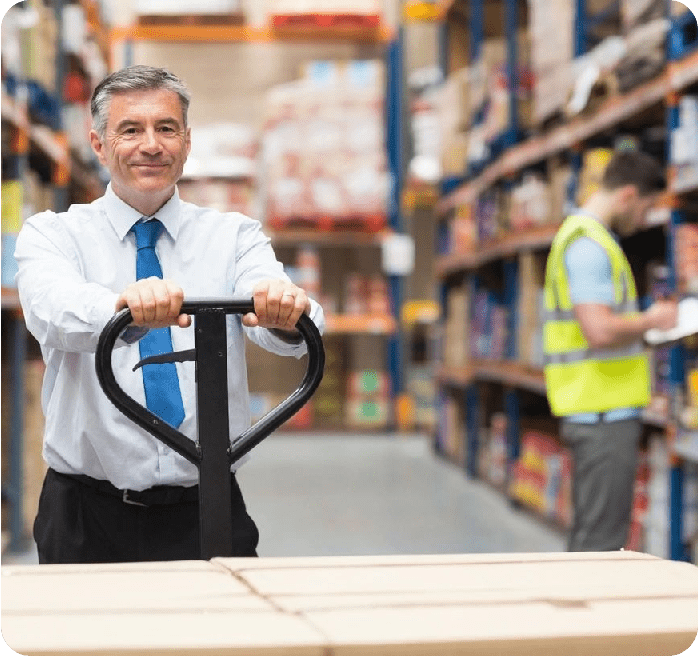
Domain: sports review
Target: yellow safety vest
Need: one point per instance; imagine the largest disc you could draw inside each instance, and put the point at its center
(580, 379)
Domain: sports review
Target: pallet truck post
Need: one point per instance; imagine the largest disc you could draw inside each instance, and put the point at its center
(213, 453)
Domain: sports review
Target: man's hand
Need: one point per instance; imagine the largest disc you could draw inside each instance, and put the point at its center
(277, 304)
(663, 314)
(154, 303)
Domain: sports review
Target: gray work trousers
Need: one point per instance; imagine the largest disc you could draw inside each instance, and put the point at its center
(605, 456)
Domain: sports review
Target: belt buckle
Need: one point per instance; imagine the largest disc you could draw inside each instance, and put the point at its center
(125, 499)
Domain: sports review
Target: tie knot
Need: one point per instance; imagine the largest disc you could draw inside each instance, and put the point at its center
(147, 233)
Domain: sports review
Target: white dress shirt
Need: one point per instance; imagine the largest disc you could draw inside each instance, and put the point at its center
(72, 268)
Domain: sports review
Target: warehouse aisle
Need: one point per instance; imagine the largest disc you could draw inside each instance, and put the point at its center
(344, 494)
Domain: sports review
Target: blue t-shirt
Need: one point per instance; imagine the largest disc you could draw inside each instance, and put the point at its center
(591, 281)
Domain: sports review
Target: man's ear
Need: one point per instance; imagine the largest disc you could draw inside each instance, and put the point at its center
(97, 147)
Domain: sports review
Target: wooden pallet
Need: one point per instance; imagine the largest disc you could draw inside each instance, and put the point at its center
(366, 223)
(325, 21)
(160, 20)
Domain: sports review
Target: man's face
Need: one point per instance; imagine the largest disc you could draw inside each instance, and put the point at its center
(145, 144)
(635, 213)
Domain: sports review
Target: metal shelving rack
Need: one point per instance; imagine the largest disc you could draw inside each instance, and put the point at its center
(54, 146)
(665, 89)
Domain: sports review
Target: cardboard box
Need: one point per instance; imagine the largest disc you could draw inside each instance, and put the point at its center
(678, 8)
(454, 154)
(623, 603)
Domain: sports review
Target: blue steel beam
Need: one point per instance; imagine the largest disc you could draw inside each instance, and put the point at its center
(395, 136)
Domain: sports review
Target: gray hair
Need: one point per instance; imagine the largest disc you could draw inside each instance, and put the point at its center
(134, 78)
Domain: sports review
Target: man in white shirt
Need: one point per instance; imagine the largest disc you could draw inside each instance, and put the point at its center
(113, 492)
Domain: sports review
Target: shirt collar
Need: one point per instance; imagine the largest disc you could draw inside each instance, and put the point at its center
(123, 216)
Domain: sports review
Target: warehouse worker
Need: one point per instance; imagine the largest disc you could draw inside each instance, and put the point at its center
(596, 372)
(113, 492)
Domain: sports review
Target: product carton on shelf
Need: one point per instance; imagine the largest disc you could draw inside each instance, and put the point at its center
(552, 51)
(324, 153)
(451, 428)
(678, 8)
(184, 7)
(329, 7)
(454, 154)
(638, 12)
(456, 337)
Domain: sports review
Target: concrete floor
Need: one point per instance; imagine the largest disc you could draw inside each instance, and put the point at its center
(314, 495)
(317, 495)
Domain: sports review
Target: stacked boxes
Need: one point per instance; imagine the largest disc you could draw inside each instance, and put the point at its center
(689, 415)
(529, 330)
(552, 51)
(656, 525)
(636, 533)
(368, 399)
(686, 257)
(490, 320)
(366, 295)
(489, 214)
(29, 51)
(684, 144)
(426, 137)
(541, 477)
(530, 203)
(368, 386)
(497, 115)
(463, 230)
(456, 332)
(330, 398)
(492, 452)
(451, 436)
(640, 12)
(326, 7)
(659, 287)
(421, 388)
(185, 7)
(220, 171)
(455, 118)
(324, 148)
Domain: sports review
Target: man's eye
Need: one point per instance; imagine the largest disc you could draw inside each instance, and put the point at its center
(130, 131)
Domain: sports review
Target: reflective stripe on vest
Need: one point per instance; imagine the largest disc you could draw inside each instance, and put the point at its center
(581, 379)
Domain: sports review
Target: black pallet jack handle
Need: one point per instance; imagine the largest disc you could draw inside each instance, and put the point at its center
(214, 452)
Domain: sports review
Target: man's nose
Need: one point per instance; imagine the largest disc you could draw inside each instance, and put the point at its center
(150, 142)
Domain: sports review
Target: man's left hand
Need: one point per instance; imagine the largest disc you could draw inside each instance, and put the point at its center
(277, 304)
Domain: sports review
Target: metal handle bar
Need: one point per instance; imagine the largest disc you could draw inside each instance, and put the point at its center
(171, 436)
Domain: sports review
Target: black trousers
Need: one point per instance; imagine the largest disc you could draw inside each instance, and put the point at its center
(79, 523)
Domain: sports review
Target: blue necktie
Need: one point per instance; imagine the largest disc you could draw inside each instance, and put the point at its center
(161, 383)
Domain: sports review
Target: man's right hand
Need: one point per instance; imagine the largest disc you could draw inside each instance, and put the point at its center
(663, 314)
(154, 303)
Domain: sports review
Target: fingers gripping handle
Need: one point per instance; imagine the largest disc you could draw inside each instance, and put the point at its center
(171, 436)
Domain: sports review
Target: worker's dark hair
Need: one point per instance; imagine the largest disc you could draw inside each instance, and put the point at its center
(632, 167)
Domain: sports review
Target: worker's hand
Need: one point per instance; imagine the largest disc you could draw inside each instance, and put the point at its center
(663, 314)
(154, 303)
(277, 304)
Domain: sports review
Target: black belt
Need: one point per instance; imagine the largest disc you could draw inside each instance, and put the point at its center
(159, 495)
